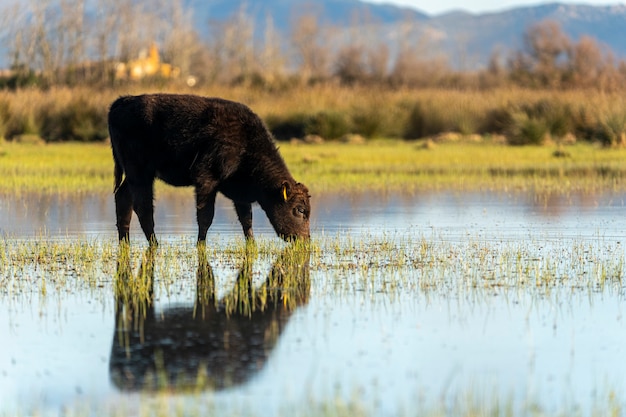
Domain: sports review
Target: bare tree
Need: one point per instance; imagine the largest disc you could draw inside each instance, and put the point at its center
(40, 53)
(377, 62)
(586, 62)
(129, 29)
(548, 47)
(495, 73)
(520, 68)
(180, 42)
(406, 59)
(611, 78)
(71, 48)
(363, 57)
(52, 37)
(17, 40)
(350, 64)
(272, 60)
(232, 46)
(414, 64)
(310, 46)
(104, 29)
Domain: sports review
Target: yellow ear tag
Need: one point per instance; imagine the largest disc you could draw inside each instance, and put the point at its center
(285, 193)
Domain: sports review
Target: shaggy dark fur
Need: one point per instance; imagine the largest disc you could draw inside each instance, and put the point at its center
(212, 144)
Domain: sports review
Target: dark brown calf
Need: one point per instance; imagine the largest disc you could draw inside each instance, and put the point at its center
(212, 144)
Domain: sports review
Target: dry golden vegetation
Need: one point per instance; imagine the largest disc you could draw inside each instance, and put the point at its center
(514, 115)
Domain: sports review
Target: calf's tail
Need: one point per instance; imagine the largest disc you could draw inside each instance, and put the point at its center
(118, 171)
(114, 134)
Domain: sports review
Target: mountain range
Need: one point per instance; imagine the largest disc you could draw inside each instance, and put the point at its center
(467, 40)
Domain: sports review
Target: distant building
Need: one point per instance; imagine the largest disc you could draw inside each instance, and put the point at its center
(147, 65)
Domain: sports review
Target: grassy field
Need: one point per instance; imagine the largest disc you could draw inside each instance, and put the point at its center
(380, 165)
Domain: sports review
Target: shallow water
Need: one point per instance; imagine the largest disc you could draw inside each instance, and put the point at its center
(451, 215)
(473, 321)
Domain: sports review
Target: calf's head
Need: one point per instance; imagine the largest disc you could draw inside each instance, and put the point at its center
(290, 210)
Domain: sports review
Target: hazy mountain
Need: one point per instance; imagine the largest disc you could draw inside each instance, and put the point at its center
(285, 12)
(466, 39)
(504, 30)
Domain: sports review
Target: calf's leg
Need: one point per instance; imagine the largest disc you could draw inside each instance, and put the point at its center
(205, 210)
(123, 210)
(143, 204)
(244, 213)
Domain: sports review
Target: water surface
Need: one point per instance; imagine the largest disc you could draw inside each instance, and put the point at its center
(484, 298)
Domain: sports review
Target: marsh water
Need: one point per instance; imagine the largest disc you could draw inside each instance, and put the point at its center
(494, 300)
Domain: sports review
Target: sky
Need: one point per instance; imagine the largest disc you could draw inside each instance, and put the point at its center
(481, 6)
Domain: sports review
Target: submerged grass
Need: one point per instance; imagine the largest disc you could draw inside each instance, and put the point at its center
(383, 165)
(468, 271)
(387, 264)
(468, 404)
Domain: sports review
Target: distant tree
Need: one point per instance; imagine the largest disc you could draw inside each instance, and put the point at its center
(312, 53)
(18, 43)
(611, 78)
(40, 53)
(104, 29)
(586, 62)
(549, 47)
(550, 59)
(407, 60)
(130, 30)
(180, 40)
(416, 62)
(272, 60)
(11, 18)
(543, 62)
(520, 68)
(350, 65)
(232, 47)
(363, 58)
(495, 74)
(377, 61)
(71, 40)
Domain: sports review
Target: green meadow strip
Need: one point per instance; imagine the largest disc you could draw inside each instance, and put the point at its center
(384, 165)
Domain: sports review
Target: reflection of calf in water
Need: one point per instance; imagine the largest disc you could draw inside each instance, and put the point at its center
(213, 344)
